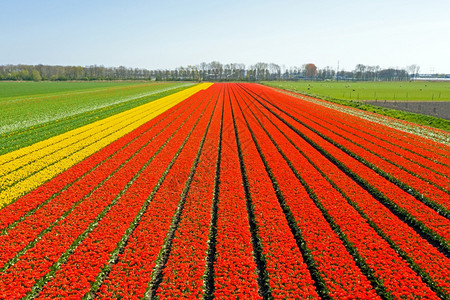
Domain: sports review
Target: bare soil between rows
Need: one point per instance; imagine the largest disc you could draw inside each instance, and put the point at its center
(435, 109)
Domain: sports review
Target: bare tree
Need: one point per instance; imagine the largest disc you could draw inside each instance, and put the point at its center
(413, 71)
(275, 71)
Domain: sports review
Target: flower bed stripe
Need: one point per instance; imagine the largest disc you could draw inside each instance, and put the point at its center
(434, 150)
(422, 257)
(429, 187)
(148, 192)
(409, 160)
(183, 273)
(163, 257)
(54, 124)
(381, 141)
(17, 183)
(148, 235)
(342, 278)
(67, 234)
(27, 230)
(384, 262)
(287, 274)
(235, 270)
(424, 218)
(25, 206)
(405, 144)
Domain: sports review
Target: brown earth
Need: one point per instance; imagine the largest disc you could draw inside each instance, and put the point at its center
(435, 109)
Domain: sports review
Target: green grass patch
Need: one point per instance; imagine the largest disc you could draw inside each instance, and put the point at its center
(25, 121)
(420, 119)
(370, 90)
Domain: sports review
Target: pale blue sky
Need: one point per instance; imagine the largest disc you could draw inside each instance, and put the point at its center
(168, 34)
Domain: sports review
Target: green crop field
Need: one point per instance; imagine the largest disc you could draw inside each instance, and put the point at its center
(369, 90)
(31, 112)
(10, 89)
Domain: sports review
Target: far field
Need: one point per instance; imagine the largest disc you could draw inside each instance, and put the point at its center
(25, 88)
(369, 90)
(34, 111)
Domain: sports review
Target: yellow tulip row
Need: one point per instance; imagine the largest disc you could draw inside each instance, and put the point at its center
(25, 169)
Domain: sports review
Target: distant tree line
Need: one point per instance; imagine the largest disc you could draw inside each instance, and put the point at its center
(63, 73)
(213, 71)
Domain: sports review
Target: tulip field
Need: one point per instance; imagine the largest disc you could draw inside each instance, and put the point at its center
(226, 191)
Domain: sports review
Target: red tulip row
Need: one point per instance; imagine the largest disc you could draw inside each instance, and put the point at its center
(423, 257)
(136, 207)
(386, 264)
(402, 238)
(32, 226)
(59, 241)
(235, 274)
(337, 271)
(12, 214)
(427, 148)
(395, 172)
(183, 274)
(436, 226)
(388, 164)
(408, 157)
(288, 275)
(378, 134)
(143, 253)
